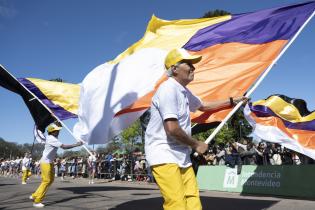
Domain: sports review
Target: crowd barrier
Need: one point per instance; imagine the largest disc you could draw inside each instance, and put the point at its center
(285, 180)
(116, 170)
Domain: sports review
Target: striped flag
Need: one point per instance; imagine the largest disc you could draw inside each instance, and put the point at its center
(61, 98)
(283, 120)
(236, 49)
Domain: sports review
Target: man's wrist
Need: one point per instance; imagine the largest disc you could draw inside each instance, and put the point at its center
(231, 101)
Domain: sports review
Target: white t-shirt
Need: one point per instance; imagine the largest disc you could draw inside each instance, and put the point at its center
(26, 163)
(51, 146)
(92, 158)
(171, 100)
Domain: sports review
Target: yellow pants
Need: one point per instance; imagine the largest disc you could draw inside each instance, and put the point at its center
(47, 174)
(178, 187)
(26, 173)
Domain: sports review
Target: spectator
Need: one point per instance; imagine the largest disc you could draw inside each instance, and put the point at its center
(276, 154)
(210, 157)
(286, 157)
(92, 167)
(295, 158)
(248, 155)
(220, 154)
(63, 164)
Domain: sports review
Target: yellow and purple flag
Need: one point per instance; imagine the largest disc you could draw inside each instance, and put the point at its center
(283, 120)
(60, 98)
(236, 49)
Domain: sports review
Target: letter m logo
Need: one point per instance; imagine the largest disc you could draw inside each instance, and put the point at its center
(230, 178)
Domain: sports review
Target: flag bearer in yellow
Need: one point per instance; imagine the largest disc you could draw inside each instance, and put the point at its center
(168, 140)
(46, 163)
(26, 162)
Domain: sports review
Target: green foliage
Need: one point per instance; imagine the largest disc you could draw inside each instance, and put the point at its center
(215, 13)
(132, 136)
(69, 154)
(226, 134)
(132, 132)
(110, 147)
(57, 80)
(235, 129)
(240, 125)
(13, 150)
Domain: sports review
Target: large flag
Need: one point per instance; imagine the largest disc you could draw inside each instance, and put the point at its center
(236, 49)
(283, 120)
(61, 98)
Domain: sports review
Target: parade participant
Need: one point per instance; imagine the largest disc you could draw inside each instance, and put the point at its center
(63, 165)
(46, 163)
(92, 167)
(26, 167)
(168, 140)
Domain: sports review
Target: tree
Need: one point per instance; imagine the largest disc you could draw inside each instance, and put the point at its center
(58, 79)
(131, 136)
(109, 148)
(235, 129)
(13, 150)
(215, 13)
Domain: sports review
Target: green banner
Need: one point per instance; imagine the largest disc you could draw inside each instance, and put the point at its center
(287, 180)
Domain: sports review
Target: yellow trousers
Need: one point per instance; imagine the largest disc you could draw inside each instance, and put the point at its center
(178, 187)
(47, 174)
(26, 173)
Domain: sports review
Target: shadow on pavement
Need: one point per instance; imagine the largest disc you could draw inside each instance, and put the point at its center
(6, 184)
(207, 203)
(83, 190)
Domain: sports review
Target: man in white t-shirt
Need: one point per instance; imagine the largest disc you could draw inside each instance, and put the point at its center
(47, 163)
(168, 140)
(26, 171)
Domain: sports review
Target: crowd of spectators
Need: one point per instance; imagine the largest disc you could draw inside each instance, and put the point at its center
(246, 152)
(133, 166)
(125, 167)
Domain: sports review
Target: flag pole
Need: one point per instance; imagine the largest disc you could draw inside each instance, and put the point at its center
(64, 125)
(210, 138)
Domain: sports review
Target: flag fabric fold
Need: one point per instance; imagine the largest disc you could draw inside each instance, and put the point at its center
(61, 98)
(236, 49)
(283, 120)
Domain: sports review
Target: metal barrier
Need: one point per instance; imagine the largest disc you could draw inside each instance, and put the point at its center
(116, 170)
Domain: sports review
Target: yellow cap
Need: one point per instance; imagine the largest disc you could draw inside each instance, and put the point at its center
(176, 55)
(53, 127)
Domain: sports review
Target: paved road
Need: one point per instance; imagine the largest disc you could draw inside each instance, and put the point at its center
(78, 194)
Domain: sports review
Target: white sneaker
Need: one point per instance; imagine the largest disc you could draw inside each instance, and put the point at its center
(89, 182)
(92, 182)
(38, 205)
(23, 182)
(31, 197)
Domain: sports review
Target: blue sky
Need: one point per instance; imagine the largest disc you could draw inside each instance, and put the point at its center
(49, 39)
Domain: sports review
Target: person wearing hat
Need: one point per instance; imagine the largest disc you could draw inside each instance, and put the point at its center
(168, 140)
(47, 163)
(26, 171)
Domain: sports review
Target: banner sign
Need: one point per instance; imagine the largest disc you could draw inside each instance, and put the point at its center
(286, 180)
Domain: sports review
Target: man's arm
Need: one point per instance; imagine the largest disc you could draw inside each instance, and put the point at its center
(209, 106)
(173, 130)
(70, 146)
